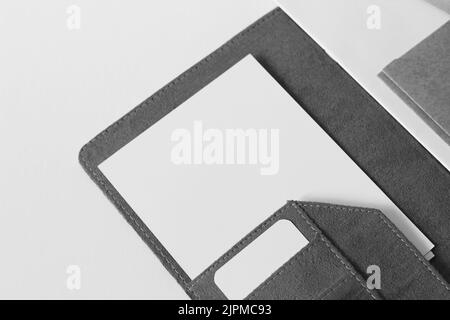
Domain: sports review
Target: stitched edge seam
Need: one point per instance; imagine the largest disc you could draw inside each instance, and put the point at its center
(180, 78)
(327, 243)
(322, 238)
(278, 213)
(141, 230)
(339, 284)
(391, 227)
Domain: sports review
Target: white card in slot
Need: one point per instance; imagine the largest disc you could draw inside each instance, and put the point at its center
(260, 259)
(199, 203)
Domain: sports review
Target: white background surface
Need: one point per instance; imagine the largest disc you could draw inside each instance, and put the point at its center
(58, 89)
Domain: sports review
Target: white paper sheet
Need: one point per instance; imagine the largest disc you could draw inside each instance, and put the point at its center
(198, 211)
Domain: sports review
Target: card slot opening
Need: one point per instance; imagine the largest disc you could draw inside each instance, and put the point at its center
(259, 259)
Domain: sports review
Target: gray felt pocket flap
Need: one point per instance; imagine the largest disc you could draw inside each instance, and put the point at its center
(345, 245)
(317, 271)
(367, 238)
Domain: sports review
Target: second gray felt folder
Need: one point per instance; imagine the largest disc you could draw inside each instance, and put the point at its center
(422, 78)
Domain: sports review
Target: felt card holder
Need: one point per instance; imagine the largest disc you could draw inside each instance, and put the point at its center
(344, 242)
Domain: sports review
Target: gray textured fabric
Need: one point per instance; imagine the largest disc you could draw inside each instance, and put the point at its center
(313, 273)
(344, 242)
(421, 77)
(400, 166)
(367, 238)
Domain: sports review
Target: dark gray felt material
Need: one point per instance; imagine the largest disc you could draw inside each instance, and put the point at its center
(367, 238)
(313, 273)
(399, 165)
(421, 77)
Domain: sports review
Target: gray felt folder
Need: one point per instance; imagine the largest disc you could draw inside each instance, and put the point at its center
(343, 241)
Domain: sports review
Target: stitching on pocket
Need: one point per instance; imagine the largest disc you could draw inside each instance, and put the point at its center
(333, 289)
(336, 254)
(320, 237)
(280, 272)
(392, 228)
(154, 97)
(141, 230)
